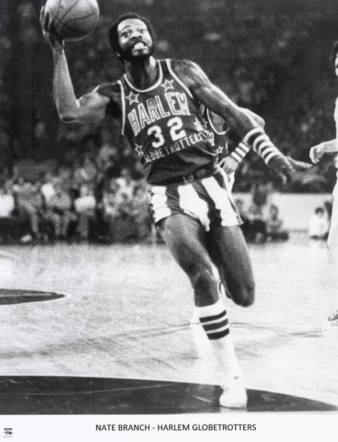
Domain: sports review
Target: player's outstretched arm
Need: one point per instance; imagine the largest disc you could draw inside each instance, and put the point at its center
(316, 152)
(237, 119)
(214, 98)
(231, 162)
(90, 107)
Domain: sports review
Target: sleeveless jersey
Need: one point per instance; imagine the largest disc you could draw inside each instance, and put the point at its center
(219, 131)
(165, 127)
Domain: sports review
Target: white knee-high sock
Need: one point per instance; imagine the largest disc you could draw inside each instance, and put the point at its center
(214, 320)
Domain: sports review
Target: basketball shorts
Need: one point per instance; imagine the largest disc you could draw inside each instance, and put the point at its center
(208, 200)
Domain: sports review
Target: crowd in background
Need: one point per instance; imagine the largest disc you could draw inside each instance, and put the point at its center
(262, 221)
(82, 203)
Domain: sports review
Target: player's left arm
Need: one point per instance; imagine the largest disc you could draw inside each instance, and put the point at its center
(236, 118)
(214, 98)
(231, 162)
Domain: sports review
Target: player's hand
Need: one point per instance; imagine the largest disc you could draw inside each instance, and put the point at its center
(48, 31)
(298, 166)
(316, 153)
(229, 165)
(287, 167)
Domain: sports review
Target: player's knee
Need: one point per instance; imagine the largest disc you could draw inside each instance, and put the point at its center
(245, 296)
(205, 286)
(203, 279)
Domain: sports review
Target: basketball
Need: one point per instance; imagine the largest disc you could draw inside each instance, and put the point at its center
(74, 19)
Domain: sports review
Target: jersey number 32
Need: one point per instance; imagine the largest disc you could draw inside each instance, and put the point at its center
(176, 132)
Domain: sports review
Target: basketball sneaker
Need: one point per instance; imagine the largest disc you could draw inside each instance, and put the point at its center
(234, 393)
(333, 319)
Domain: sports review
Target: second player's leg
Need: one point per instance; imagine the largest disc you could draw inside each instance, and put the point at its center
(230, 254)
(332, 242)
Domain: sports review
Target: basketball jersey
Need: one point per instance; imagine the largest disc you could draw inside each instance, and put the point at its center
(220, 142)
(164, 125)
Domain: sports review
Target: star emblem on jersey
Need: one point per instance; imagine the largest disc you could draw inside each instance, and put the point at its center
(139, 150)
(219, 150)
(133, 98)
(167, 85)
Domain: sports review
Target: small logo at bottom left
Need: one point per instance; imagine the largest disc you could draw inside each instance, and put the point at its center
(8, 432)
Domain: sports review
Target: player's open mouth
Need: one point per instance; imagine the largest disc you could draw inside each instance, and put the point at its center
(139, 45)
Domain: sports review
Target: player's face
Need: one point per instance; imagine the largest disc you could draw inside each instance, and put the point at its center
(135, 40)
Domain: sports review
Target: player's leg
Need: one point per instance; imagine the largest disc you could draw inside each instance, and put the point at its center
(229, 252)
(185, 238)
(332, 242)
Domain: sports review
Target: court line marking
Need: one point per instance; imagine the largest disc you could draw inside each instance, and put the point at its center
(70, 393)
(202, 399)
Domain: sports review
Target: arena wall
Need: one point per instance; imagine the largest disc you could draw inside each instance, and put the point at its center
(295, 209)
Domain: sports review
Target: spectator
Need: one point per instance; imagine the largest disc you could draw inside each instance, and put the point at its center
(47, 188)
(257, 230)
(140, 212)
(261, 192)
(8, 223)
(30, 207)
(85, 206)
(126, 183)
(118, 213)
(87, 173)
(328, 208)
(59, 212)
(319, 224)
(274, 226)
(106, 157)
(111, 213)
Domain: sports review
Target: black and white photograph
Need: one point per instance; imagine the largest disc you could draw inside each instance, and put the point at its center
(168, 220)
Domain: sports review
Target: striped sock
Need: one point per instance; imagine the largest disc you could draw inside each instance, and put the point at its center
(215, 322)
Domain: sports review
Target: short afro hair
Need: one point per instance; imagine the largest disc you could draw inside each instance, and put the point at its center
(333, 52)
(113, 35)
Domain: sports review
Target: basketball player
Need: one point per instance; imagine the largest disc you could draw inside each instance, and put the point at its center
(158, 105)
(316, 153)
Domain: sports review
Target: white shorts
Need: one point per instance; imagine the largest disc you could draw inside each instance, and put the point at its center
(208, 200)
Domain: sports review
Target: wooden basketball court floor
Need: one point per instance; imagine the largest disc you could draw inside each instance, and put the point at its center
(97, 329)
